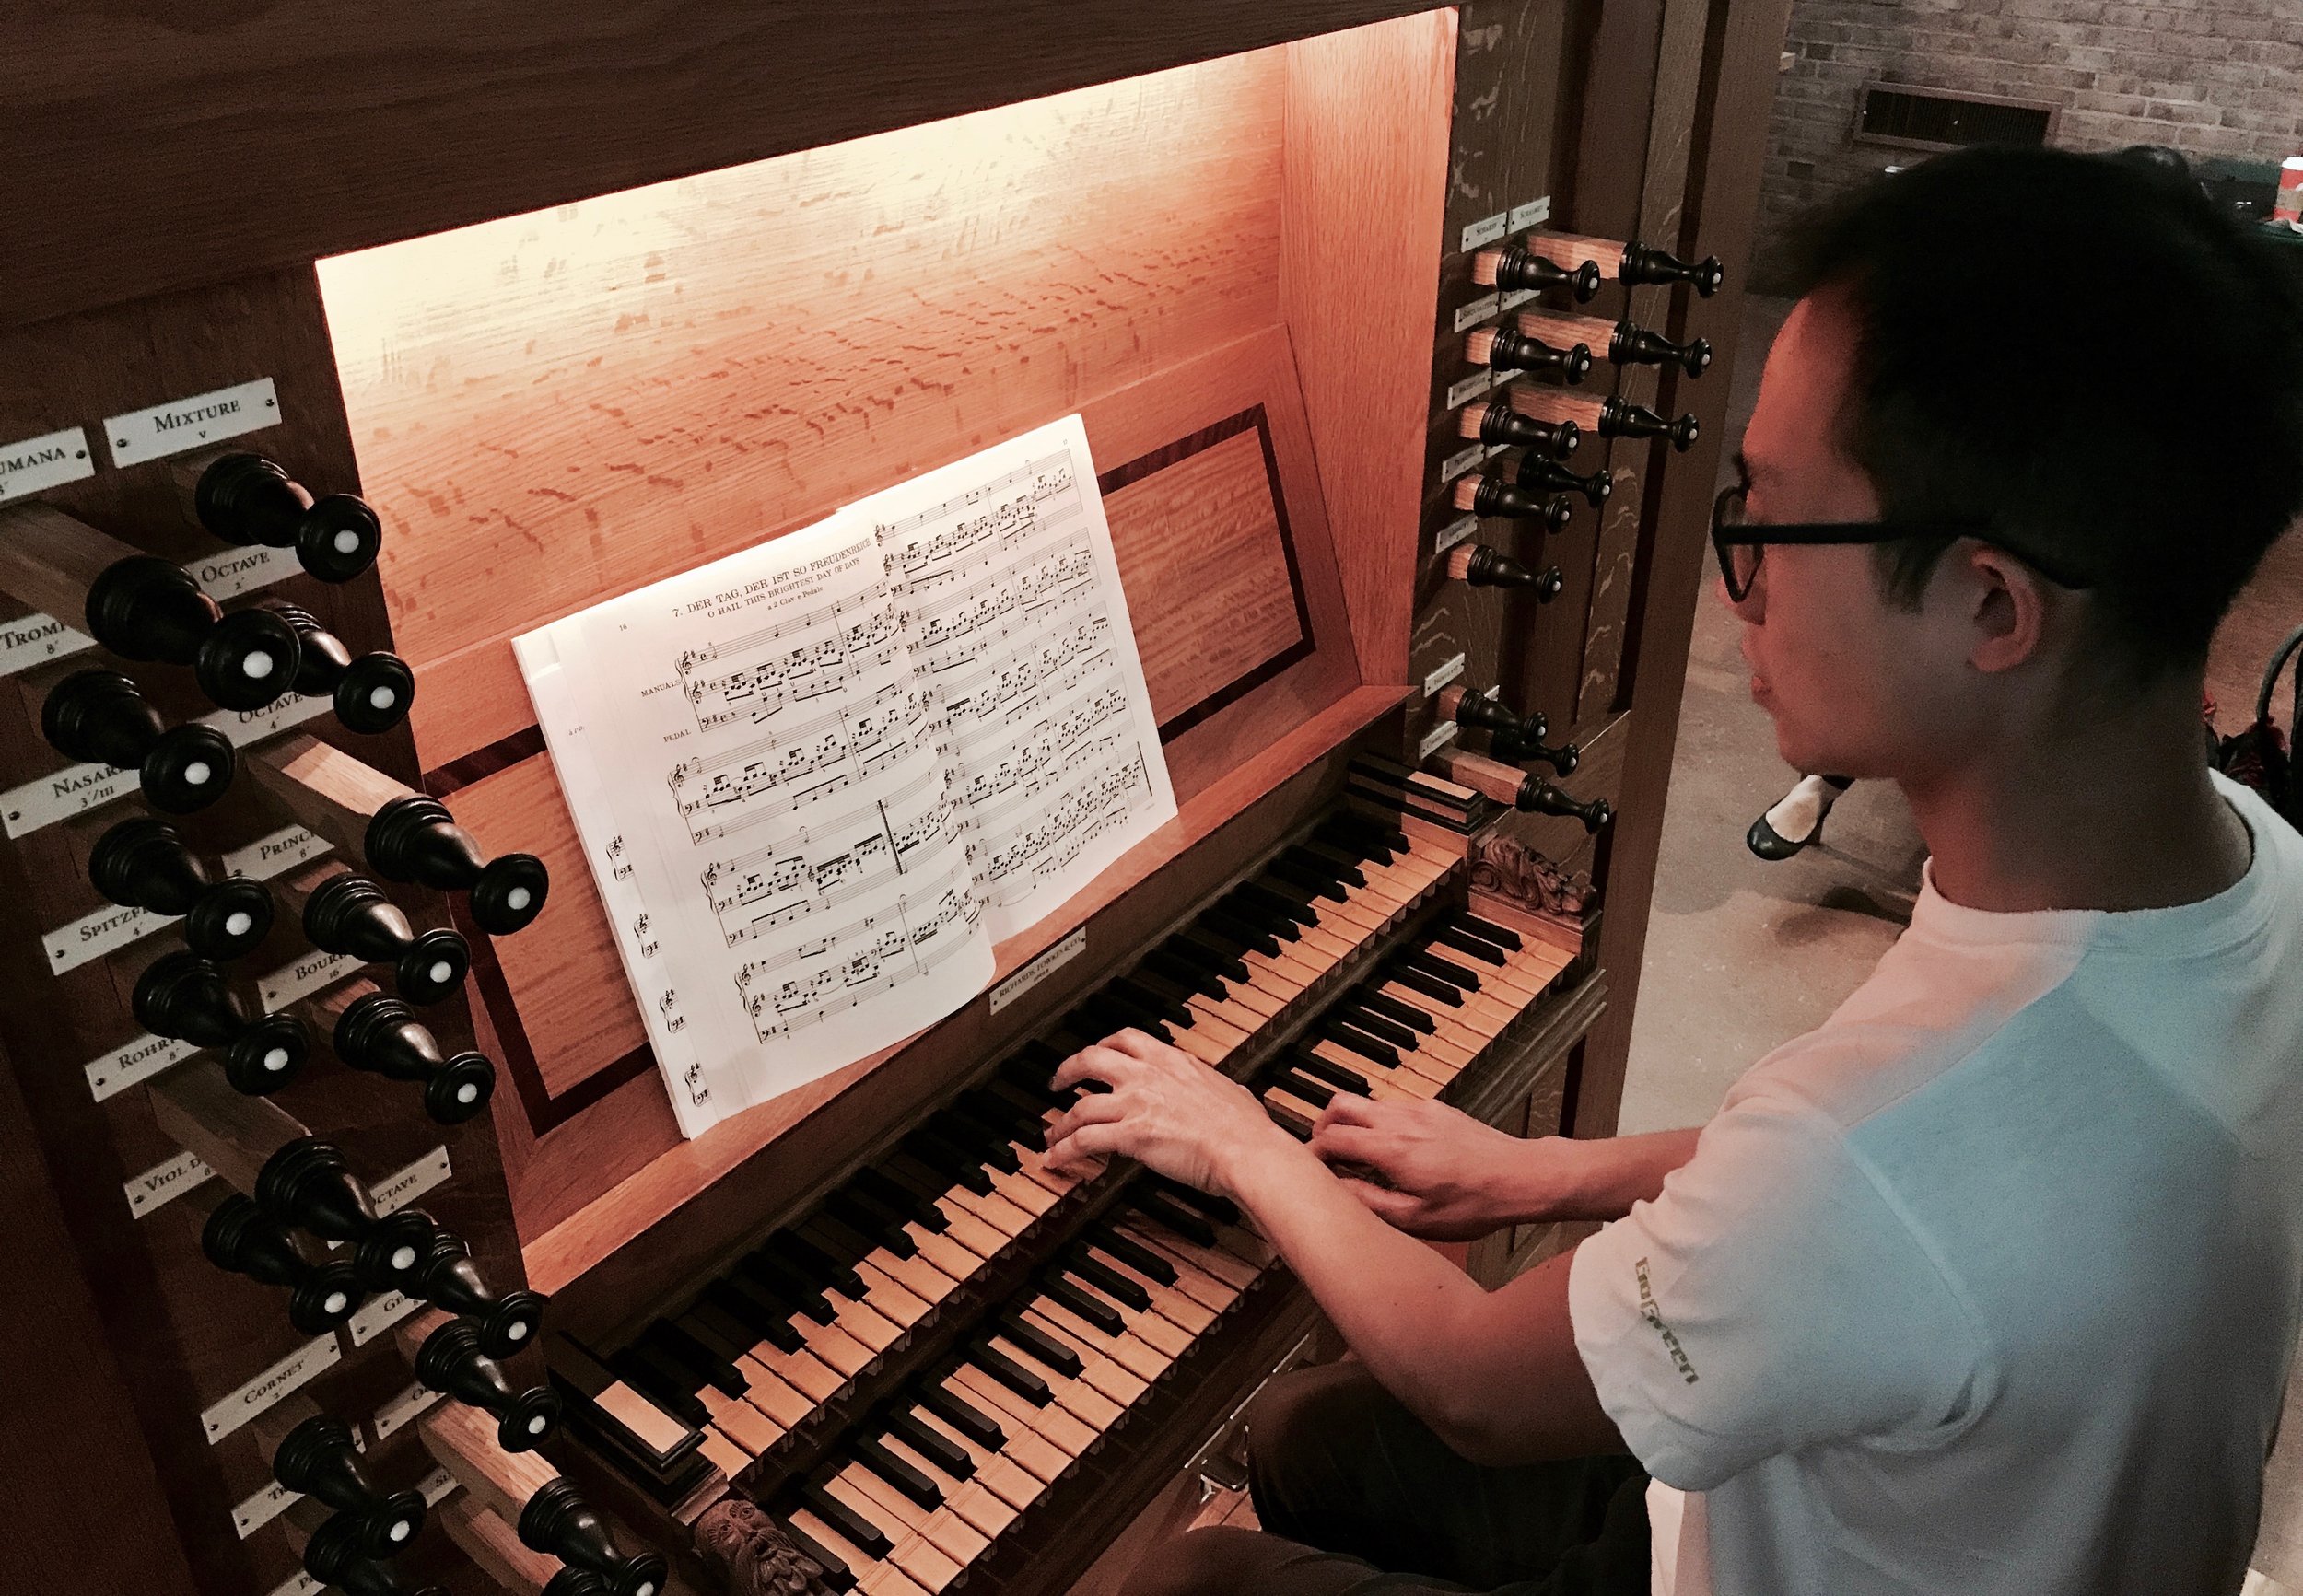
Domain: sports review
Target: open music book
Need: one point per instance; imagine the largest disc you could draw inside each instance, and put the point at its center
(816, 781)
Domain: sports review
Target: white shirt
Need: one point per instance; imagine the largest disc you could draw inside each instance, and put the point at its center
(1991, 1283)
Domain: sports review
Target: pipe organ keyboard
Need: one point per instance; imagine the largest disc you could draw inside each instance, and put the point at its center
(367, 1251)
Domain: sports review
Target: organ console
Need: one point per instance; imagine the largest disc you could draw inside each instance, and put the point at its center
(1481, 565)
(99, 717)
(142, 863)
(143, 608)
(246, 500)
(1303, 276)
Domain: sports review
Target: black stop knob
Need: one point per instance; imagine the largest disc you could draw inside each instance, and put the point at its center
(244, 498)
(560, 1523)
(371, 692)
(381, 1034)
(143, 608)
(451, 1360)
(240, 1238)
(101, 718)
(1522, 268)
(184, 996)
(1517, 352)
(1537, 473)
(415, 839)
(144, 863)
(1538, 795)
(1501, 423)
(1525, 745)
(1645, 264)
(349, 914)
(1637, 347)
(337, 1554)
(307, 1184)
(318, 1459)
(574, 1581)
(1495, 496)
(1620, 418)
(448, 1278)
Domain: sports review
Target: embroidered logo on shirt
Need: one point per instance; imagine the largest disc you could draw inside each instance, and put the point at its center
(1649, 1311)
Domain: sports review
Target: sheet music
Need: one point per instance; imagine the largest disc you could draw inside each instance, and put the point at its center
(1014, 605)
(693, 1102)
(789, 808)
(816, 780)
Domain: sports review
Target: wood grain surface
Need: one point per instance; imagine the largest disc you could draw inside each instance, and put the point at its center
(162, 144)
(552, 408)
(1735, 92)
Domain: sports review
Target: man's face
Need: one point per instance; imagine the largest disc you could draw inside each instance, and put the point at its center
(1856, 686)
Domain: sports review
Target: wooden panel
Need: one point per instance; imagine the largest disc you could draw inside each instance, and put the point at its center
(1204, 559)
(154, 146)
(554, 408)
(1670, 133)
(90, 1514)
(1365, 195)
(1738, 89)
(1601, 182)
(1513, 77)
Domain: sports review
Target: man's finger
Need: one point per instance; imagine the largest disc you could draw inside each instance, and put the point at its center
(1096, 1063)
(1085, 1147)
(1134, 1043)
(1101, 1108)
(1349, 1144)
(1350, 1108)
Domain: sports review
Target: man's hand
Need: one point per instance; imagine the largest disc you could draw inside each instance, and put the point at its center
(1445, 1176)
(1165, 1109)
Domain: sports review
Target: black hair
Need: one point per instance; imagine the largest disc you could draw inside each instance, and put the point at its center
(2084, 353)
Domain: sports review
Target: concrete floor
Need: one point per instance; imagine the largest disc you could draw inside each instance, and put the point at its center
(1743, 955)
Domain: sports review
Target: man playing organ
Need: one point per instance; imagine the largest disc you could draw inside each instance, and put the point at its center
(1991, 1283)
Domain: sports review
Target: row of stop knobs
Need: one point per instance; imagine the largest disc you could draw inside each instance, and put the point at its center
(307, 1186)
(369, 1525)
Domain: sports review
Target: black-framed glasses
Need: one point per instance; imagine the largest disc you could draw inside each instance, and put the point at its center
(1740, 544)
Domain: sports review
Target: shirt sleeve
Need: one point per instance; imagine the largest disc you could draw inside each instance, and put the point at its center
(1769, 1299)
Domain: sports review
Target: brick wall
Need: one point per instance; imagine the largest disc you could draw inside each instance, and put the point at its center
(2212, 77)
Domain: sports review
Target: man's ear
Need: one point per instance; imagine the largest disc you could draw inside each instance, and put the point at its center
(2006, 605)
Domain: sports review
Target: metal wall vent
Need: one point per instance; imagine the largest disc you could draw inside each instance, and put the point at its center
(1898, 114)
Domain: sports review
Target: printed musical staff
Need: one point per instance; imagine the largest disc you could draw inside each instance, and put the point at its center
(826, 775)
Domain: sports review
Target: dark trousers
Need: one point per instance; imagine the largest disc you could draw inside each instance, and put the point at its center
(1357, 1497)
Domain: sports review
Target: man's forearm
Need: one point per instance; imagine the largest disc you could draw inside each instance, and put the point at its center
(1600, 1178)
(1499, 1379)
